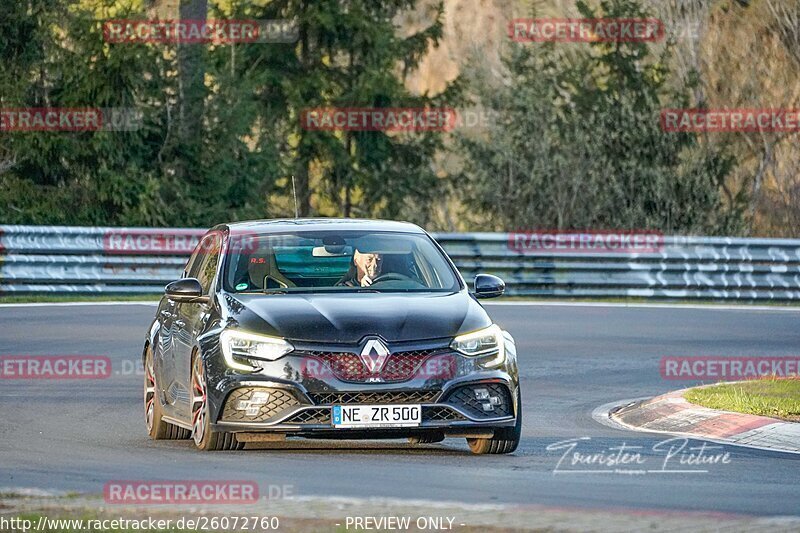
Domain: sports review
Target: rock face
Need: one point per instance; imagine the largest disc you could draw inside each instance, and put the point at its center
(164, 9)
(747, 55)
(475, 33)
(473, 30)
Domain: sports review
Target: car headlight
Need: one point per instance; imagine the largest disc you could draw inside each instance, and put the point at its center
(240, 348)
(487, 343)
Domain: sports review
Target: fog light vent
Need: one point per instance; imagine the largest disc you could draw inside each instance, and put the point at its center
(252, 406)
(482, 400)
(488, 402)
(257, 404)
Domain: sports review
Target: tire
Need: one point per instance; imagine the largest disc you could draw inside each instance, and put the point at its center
(205, 438)
(157, 428)
(505, 440)
(426, 439)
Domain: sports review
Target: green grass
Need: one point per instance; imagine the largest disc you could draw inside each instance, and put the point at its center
(777, 398)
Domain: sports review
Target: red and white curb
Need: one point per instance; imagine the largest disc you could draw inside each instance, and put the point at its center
(672, 414)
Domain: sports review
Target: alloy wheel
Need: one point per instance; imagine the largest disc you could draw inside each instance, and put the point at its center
(199, 400)
(149, 391)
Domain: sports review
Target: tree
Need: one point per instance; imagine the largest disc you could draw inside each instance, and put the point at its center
(59, 58)
(349, 54)
(579, 143)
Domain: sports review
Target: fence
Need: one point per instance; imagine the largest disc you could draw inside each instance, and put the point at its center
(50, 259)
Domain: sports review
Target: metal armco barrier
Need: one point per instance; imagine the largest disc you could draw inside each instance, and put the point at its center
(51, 259)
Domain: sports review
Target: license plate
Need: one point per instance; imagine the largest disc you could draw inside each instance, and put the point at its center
(378, 416)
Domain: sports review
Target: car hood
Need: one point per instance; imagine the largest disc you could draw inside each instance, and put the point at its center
(347, 318)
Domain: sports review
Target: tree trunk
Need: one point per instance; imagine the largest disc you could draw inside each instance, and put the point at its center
(302, 184)
(302, 188)
(191, 79)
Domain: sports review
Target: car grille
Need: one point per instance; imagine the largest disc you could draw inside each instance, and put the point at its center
(440, 414)
(399, 366)
(318, 415)
(376, 397)
(465, 398)
(279, 401)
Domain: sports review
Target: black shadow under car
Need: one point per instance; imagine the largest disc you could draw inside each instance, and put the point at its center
(325, 328)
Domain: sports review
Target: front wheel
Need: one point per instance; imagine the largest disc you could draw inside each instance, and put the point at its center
(505, 440)
(157, 428)
(204, 437)
(430, 438)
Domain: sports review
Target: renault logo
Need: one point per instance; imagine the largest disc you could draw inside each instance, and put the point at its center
(374, 355)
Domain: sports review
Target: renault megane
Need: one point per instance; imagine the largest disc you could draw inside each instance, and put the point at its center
(324, 328)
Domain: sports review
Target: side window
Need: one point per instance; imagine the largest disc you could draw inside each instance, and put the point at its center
(190, 264)
(204, 265)
(190, 269)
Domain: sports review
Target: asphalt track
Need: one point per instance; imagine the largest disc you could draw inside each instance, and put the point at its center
(78, 435)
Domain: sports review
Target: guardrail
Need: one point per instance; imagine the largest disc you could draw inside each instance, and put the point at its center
(53, 259)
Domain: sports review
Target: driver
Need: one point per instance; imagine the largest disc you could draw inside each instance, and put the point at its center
(365, 269)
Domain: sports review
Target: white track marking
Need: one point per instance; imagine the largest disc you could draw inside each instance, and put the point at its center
(709, 307)
(76, 304)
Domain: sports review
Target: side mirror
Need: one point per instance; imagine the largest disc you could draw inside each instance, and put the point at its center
(488, 286)
(185, 290)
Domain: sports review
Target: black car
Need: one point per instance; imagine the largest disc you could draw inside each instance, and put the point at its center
(327, 328)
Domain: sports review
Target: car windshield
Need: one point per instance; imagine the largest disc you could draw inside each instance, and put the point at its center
(331, 261)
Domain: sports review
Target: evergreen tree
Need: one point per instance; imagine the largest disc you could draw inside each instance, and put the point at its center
(349, 54)
(579, 143)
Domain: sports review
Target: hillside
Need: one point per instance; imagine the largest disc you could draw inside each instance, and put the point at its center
(747, 54)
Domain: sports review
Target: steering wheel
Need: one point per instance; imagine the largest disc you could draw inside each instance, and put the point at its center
(391, 276)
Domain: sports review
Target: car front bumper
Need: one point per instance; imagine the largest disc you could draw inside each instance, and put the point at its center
(445, 412)
(301, 401)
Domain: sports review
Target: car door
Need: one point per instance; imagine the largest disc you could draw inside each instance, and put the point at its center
(162, 351)
(191, 318)
(166, 370)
